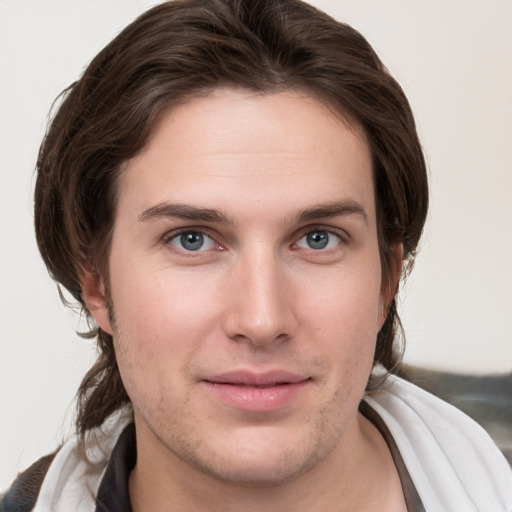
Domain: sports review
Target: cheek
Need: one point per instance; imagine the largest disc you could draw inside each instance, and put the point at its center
(344, 318)
(160, 316)
(346, 301)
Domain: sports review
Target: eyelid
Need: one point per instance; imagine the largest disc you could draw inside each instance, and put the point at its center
(169, 236)
(333, 238)
(339, 232)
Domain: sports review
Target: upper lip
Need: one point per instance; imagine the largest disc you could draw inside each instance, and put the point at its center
(251, 378)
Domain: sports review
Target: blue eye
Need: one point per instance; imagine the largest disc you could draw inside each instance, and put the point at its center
(192, 241)
(318, 240)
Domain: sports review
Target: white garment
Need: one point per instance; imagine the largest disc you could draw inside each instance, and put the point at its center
(453, 463)
(71, 483)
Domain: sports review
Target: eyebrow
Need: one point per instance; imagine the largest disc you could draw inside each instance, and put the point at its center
(184, 211)
(332, 209)
(188, 212)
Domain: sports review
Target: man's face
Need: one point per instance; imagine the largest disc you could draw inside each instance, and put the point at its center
(246, 286)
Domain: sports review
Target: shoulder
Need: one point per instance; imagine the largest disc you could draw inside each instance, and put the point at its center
(69, 479)
(23, 493)
(452, 460)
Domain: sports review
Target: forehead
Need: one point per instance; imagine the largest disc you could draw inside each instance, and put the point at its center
(235, 148)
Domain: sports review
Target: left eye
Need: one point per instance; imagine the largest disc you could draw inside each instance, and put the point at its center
(319, 240)
(192, 241)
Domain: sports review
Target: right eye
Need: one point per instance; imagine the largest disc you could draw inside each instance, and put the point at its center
(192, 241)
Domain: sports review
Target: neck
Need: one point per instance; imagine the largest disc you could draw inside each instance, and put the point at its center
(359, 475)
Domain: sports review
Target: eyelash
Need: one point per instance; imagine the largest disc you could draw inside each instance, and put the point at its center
(331, 234)
(168, 238)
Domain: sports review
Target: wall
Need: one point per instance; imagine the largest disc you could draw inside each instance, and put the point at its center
(454, 60)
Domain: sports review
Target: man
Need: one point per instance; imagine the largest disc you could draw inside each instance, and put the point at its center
(232, 191)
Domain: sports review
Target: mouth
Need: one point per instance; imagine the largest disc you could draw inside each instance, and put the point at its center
(257, 386)
(257, 392)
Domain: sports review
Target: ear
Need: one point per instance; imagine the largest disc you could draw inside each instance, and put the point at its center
(93, 292)
(390, 289)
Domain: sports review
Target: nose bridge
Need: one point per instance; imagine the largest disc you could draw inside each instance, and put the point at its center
(261, 309)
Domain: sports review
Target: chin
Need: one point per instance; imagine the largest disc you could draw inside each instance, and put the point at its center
(261, 472)
(262, 458)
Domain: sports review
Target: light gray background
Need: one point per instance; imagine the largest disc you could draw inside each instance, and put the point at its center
(454, 60)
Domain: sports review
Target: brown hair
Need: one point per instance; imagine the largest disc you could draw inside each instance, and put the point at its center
(185, 48)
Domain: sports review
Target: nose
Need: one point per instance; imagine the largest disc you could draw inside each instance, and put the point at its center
(260, 300)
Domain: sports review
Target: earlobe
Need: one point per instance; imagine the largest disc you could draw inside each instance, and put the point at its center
(93, 293)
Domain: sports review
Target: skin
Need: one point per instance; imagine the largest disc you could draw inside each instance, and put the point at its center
(256, 296)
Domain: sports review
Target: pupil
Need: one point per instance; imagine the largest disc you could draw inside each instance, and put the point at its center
(192, 241)
(318, 240)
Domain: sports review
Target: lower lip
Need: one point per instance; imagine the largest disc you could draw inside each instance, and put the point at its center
(257, 399)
